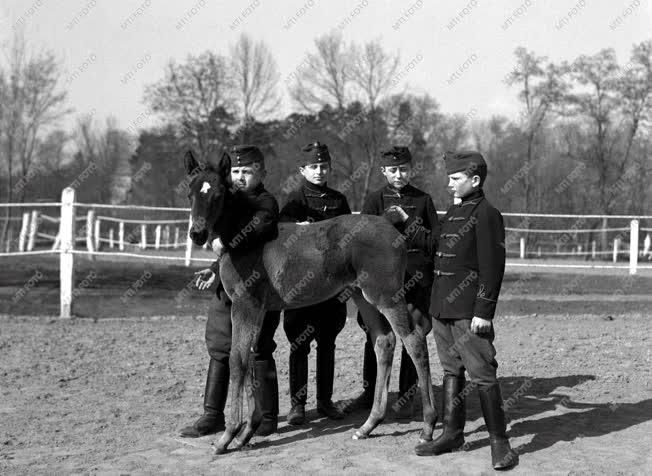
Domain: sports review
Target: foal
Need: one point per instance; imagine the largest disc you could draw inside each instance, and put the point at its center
(304, 265)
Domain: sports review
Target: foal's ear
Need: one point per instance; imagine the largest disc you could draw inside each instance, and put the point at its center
(190, 162)
(224, 168)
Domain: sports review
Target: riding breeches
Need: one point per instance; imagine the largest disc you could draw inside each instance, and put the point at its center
(218, 332)
(461, 349)
(321, 322)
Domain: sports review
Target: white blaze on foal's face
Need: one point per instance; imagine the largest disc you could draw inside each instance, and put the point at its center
(205, 187)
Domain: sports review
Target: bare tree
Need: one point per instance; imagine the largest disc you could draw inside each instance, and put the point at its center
(255, 77)
(109, 150)
(197, 96)
(372, 71)
(324, 77)
(635, 86)
(541, 90)
(597, 100)
(31, 102)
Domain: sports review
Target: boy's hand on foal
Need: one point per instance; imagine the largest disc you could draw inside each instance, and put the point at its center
(480, 325)
(395, 214)
(205, 279)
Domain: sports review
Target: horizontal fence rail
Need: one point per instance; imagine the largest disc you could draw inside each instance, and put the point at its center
(113, 235)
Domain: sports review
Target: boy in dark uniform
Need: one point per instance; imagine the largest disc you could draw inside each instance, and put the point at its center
(469, 256)
(397, 169)
(247, 173)
(314, 201)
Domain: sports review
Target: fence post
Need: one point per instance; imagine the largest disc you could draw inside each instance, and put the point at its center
(157, 237)
(593, 249)
(176, 237)
(57, 241)
(143, 236)
(90, 216)
(166, 236)
(111, 237)
(66, 262)
(121, 236)
(33, 226)
(522, 254)
(96, 232)
(23, 232)
(616, 246)
(646, 245)
(10, 238)
(633, 246)
(188, 242)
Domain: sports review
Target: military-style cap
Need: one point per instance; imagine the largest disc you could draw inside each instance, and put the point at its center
(316, 153)
(242, 155)
(468, 161)
(397, 155)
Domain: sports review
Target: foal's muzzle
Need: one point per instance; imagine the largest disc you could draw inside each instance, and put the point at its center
(199, 237)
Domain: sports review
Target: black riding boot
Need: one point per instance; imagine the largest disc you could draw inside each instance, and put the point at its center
(366, 399)
(325, 376)
(298, 388)
(266, 395)
(502, 455)
(407, 387)
(454, 416)
(217, 389)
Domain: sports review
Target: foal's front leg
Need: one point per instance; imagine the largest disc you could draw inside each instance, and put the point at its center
(246, 321)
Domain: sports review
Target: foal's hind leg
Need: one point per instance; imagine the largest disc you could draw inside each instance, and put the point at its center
(246, 320)
(384, 341)
(414, 339)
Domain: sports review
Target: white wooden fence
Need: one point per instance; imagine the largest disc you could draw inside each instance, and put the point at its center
(65, 241)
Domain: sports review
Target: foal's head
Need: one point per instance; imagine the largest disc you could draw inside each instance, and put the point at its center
(208, 188)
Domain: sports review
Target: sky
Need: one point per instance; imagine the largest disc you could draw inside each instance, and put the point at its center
(457, 51)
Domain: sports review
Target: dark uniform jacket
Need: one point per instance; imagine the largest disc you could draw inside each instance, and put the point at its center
(419, 207)
(314, 203)
(257, 224)
(469, 258)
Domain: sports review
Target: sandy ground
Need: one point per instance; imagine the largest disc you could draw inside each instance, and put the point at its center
(106, 394)
(109, 396)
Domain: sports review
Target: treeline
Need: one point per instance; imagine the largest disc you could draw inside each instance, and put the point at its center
(581, 143)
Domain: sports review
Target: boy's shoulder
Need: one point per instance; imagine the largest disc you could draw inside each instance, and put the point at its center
(336, 193)
(485, 207)
(415, 191)
(264, 195)
(376, 194)
(296, 194)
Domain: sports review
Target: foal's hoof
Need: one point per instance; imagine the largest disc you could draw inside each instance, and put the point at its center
(358, 435)
(220, 450)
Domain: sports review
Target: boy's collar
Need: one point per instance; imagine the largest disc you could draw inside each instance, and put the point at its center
(402, 191)
(256, 190)
(315, 187)
(473, 195)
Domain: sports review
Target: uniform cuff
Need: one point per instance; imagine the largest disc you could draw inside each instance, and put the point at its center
(484, 308)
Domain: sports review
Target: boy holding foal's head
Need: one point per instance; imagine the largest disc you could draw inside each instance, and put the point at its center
(251, 219)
